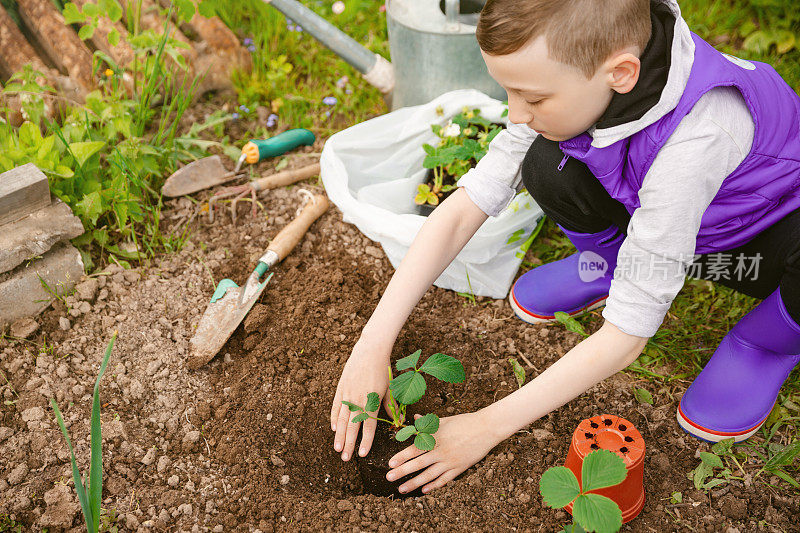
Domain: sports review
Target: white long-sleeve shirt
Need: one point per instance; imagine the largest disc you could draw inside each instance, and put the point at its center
(708, 145)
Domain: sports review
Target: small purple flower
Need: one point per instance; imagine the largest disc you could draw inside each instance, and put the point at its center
(329, 100)
(252, 48)
(342, 82)
(271, 120)
(348, 91)
(247, 41)
(328, 113)
(234, 115)
(298, 28)
(244, 108)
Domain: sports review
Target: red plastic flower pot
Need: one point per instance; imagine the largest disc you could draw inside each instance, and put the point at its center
(610, 432)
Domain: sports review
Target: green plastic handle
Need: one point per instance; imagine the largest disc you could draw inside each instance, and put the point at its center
(283, 142)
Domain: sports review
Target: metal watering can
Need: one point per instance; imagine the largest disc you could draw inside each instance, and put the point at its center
(432, 43)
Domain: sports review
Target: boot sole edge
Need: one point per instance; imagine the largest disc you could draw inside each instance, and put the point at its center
(531, 318)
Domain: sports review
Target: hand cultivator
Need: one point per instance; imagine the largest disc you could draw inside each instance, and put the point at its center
(252, 188)
(208, 171)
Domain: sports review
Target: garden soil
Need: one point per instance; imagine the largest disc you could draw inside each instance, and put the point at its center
(244, 443)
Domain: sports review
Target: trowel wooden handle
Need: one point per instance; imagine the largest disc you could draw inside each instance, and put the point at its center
(285, 241)
(287, 177)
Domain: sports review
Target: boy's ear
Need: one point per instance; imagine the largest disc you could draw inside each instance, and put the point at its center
(623, 72)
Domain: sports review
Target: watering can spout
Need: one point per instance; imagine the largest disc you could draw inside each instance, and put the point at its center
(376, 69)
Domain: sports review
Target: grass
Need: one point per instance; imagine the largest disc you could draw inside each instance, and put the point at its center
(296, 96)
(90, 489)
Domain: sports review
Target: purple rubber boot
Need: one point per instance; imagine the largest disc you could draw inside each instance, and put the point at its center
(575, 284)
(737, 389)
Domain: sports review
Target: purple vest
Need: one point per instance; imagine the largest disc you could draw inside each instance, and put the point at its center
(761, 191)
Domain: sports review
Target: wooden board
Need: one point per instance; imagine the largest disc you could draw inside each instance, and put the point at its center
(23, 190)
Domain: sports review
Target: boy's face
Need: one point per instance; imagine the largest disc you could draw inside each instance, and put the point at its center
(555, 99)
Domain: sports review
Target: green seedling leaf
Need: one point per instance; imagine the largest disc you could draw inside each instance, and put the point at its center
(85, 149)
(444, 367)
(711, 460)
(676, 497)
(90, 207)
(408, 387)
(519, 372)
(409, 361)
(113, 37)
(558, 487)
(96, 442)
(405, 433)
(572, 528)
(723, 447)
(602, 468)
(785, 457)
(352, 406)
(76, 475)
(360, 418)
(72, 14)
(699, 475)
(570, 323)
(643, 396)
(86, 32)
(597, 513)
(424, 441)
(373, 402)
(427, 424)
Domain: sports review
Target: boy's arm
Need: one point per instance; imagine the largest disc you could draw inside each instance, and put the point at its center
(597, 357)
(441, 238)
(438, 242)
(463, 440)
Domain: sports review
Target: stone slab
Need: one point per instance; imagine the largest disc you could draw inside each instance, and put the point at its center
(23, 190)
(22, 291)
(36, 234)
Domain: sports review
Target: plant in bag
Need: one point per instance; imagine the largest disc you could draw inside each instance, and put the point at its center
(462, 143)
(592, 512)
(404, 390)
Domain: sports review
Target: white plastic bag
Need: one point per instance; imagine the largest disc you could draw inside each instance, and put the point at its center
(371, 172)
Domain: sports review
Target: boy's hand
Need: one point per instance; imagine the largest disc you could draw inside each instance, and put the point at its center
(461, 441)
(367, 370)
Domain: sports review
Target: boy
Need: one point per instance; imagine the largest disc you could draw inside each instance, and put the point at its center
(655, 154)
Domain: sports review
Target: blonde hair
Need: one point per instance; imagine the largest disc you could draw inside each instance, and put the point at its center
(581, 33)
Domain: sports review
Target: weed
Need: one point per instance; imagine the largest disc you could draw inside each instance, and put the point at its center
(716, 466)
(90, 493)
(519, 372)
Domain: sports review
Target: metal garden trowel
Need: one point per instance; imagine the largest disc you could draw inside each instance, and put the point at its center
(231, 303)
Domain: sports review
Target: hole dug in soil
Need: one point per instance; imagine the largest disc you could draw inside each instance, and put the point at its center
(374, 467)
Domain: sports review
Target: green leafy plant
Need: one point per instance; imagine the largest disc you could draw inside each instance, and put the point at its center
(570, 323)
(462, 143)
(715, 467)
(106, 157)
(592, 512)
(519, 372)
(90, 489)
(408, 388)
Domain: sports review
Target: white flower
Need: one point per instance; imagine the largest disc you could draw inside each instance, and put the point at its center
(452, 130)
(338, 7)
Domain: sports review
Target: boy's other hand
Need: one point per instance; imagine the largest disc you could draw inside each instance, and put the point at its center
(461, 441)
(367, 370)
